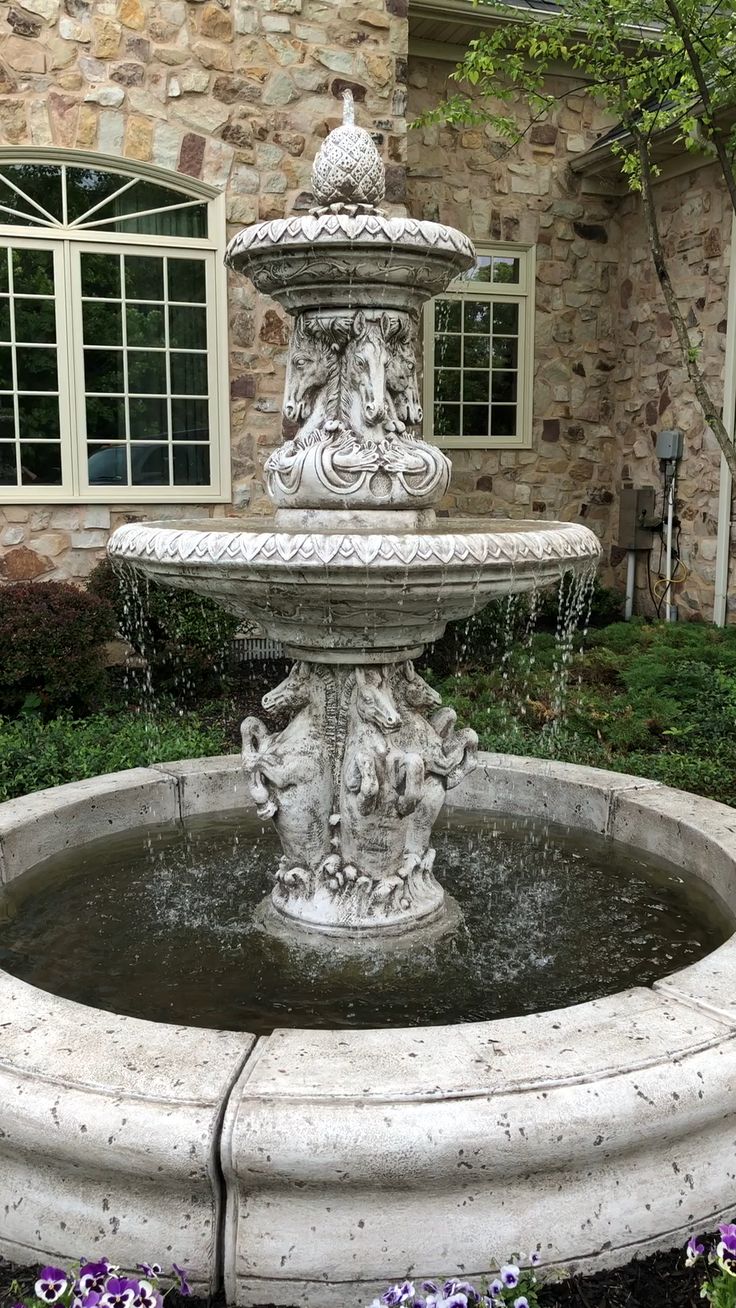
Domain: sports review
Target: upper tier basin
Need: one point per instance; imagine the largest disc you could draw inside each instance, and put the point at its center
(383, 593)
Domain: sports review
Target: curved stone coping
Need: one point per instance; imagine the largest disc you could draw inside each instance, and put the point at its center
(351, 1157)
(109, 1126)
(510, 544)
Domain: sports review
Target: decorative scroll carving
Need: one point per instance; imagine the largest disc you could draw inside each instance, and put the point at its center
(354, 784)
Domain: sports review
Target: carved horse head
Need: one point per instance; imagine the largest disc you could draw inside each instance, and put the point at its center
(374, 699)
(401, 372)
(293, 693)
(312, 364)
(364, 365)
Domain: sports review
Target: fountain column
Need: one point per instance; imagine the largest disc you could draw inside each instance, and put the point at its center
(356, 780)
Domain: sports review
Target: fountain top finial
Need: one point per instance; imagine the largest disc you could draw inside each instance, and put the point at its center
(348, 169)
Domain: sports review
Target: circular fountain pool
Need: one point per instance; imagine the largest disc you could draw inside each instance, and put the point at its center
(313, 1164)
(157, 923)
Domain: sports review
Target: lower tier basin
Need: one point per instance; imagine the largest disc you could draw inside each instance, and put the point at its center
(315, 1165)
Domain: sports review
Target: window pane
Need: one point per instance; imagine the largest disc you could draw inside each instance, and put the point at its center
(6, 368)
(503, 386)
(4, 256)
(103, 370)
(145, 324)
(506, 318)
(40, 464)
(147, 372)
(150, 465)
(107, 465)
(190, 221)
(7, 418)
(476, 352)
(447, 419)
(86, 187)
(191, 465)
(506, 270)
(4, 319)
(190, 420)
(149, 420)
(475, 387)
(187, 328)
(101, 276)
(36, 369)
(35, 320)
(503, 419)
(38, 417)
(447, 351)
(447, 315)
(42, 182)
(33, 272)
(477, 316)
(105, 418)
(475, 420)
(189, 374)
(186, 279)
(481, 272)
(8, 464)
(447, 384)
(144, 277)
(505, 352)
(103, 323)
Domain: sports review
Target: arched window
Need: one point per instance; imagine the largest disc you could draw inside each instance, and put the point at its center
(113, 340)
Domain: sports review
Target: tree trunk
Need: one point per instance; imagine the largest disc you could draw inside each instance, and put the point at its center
(705, 400)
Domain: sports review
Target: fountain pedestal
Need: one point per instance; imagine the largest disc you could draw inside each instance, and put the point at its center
(354, 575)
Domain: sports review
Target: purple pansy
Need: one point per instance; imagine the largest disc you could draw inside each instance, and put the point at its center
(51, 1284)
(535, 1258)
(510, 1274)
(695, 1250)
(521, 1302)
(152, 1271)
(119, 1293)
(184, 1286)
(147, 1296)
(92, 1277)
(430, 1287)
(495, 1288)
(460, 1287)
(728, 1238)
(391, 1297)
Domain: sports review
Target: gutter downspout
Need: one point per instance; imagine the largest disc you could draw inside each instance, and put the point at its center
(723, 547)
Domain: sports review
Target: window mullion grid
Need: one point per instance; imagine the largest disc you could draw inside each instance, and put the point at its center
(167, 345)
(14, 366)
(126, 393)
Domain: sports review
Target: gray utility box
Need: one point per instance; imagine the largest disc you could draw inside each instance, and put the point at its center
(635, 517)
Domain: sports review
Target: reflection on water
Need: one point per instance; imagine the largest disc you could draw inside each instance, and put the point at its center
(156, 924)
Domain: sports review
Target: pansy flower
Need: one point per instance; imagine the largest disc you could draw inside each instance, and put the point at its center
(535, 1258)
(92, 1277)
(510, 1274)
(728, 1238)
(521, 1302)
(152, 1271)
(147, 1296)
(495, 1288)
(119, 1293)
(184, 1287)
(51, 1284)
(695, 1250)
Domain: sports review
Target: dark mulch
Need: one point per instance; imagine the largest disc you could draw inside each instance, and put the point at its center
(660, 1281)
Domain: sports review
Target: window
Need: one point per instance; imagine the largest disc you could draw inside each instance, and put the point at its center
(112, 346)
(478, 354)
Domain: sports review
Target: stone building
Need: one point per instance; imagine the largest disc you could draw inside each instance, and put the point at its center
(137, 380)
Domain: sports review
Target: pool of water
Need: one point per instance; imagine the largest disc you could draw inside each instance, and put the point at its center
(157, 924)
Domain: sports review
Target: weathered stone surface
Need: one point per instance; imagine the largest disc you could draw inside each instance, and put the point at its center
(22, 564)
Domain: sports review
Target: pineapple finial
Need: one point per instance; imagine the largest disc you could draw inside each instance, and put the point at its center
(348, 168)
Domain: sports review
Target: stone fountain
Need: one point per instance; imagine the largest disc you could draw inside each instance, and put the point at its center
(354, 573)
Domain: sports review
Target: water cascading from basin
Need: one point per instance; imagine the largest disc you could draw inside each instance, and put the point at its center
(354, 575)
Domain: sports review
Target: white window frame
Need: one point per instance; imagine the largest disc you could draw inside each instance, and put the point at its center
(67, 244)
(522, 294)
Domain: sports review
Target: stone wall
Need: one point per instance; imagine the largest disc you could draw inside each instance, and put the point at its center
(651, 390)
(240, 94)
(469, 177)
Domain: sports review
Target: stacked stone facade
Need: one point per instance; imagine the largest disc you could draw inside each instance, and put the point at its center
(241, 94)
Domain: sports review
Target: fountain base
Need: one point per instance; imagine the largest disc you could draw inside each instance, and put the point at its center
(348, 939)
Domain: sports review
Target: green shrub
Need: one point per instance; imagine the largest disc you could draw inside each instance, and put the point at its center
(183, 637)
(52, 637)
(35, 754)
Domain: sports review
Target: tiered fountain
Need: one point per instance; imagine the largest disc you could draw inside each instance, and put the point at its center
(308, 1162)
(354, 574)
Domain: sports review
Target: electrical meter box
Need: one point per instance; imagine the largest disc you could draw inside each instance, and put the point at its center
(635, 517)
(669, 444)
